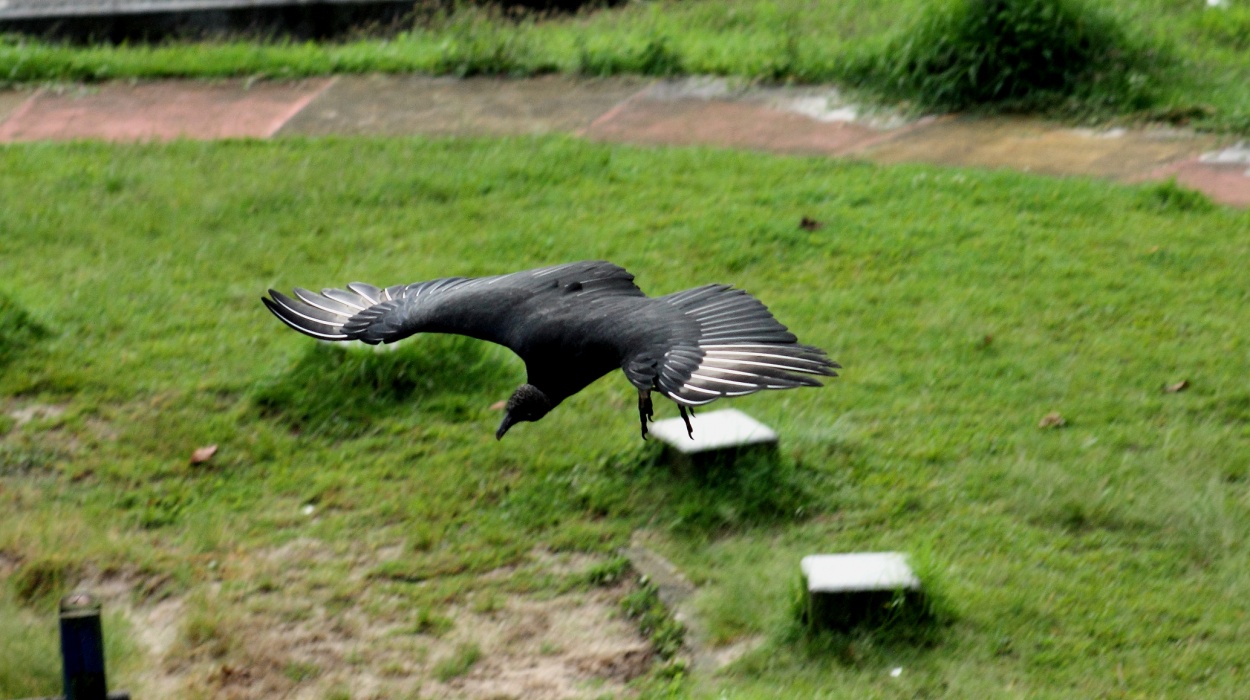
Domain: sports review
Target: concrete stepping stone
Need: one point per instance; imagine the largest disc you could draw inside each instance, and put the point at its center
(844, 590)
(716, 432)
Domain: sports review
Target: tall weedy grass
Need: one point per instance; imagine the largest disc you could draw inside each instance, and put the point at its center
(1017, 54)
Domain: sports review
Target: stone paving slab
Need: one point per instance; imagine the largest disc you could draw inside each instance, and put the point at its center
(386, 105)
(160, 111)
(1225, 183)
(726, 429)
(860, 571)
(1033, 145)
(724, 123)
(11, 100)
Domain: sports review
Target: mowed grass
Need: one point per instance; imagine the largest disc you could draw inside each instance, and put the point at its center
(1104, 558)
(1193, 67)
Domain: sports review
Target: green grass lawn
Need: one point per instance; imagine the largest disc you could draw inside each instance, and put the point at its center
(1204, 81)
(1104, 558)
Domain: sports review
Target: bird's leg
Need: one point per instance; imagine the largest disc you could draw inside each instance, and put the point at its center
(685, 417)
(645, 411)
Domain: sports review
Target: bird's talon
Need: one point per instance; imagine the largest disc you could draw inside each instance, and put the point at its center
(646, 412)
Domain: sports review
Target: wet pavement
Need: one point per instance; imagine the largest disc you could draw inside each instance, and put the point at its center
(1032, 145)
(159, 110)
(388, 105)
(690, 111)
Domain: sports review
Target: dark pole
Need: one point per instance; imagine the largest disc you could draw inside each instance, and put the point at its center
(82, 648)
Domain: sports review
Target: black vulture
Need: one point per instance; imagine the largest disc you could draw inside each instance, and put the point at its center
(574, 323)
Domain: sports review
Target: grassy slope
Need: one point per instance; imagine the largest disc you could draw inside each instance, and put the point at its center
(791, 40)
(1105, 558)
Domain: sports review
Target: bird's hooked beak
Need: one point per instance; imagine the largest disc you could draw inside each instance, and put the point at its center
(508, 421)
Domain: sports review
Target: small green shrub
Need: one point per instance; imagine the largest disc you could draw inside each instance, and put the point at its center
(608, 573)
(1170, 196)
(18, 330)
(431, 623)
(343, 392)
(1024, 54)
(459, 663)
(40, 580)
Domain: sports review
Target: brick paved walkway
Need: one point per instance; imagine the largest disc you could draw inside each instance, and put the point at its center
(705, 111)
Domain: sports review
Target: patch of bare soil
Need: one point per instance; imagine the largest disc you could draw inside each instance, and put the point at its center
(52, 440)
(303, 622)
(8, 564)
(35, 411)
(571, 646)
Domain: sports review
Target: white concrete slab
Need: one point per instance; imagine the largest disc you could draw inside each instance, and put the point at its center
(868, 571)
(717, 430)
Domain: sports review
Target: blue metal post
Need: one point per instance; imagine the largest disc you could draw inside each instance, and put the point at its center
(82, 648)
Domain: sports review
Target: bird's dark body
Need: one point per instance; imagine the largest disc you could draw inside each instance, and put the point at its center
(574, 323)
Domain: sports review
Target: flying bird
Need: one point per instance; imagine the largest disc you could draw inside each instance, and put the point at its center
(574, 323)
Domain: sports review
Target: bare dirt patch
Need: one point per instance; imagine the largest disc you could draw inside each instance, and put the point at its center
(36, 435)
(571, 646)
(8, 564)
(35, 411)
(273, 628)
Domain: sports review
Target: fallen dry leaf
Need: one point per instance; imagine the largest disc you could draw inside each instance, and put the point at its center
(810, 224)
(1179, 386)
(203, 454)
(1052, 420)
(498, 405)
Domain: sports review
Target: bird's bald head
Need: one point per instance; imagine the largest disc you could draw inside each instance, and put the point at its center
(527, 403)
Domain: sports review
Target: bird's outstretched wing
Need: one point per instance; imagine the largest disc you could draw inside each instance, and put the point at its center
(496, 309)
(728, 344)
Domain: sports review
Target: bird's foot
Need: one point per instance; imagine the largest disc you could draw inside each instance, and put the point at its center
(686, 417)
(645, 411)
